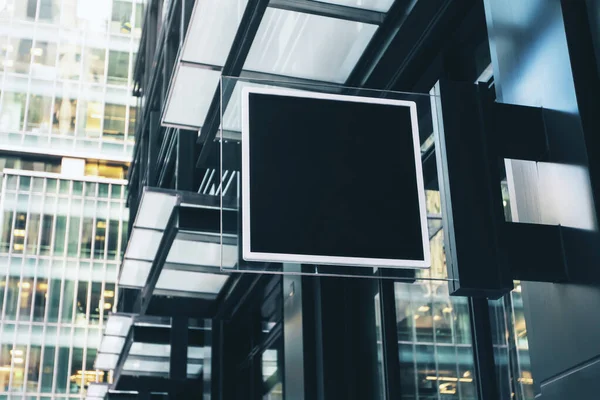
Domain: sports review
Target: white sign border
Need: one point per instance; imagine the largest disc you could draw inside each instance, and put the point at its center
(251, 256)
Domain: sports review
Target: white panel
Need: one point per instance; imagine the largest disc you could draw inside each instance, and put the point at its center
(106, 362)
(118, 325)
(158, 367)
(201, 253)
(212, 29)
(72, 167)
(195, 282)
(143, 244)
(155, 210)
(190, 94)
(150, 349)
(97, 390)
(162, 350)
(550, 194)
(134, 273)
(521, 178)
(308, 46)
(374, 5)
(566, 196)
(112, 344)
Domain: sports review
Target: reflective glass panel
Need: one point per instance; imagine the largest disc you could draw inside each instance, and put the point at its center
(39, 117)
(40, 300)
(44, 59)
(12, 111)
(33, 368)
(212, 30)
(94, 64)
(24, 10)
(122, 17)
(375, 5)
(192, 89)
(291, 43)
(49, 11)
(114, 122)
(47, 369)
(118, 67)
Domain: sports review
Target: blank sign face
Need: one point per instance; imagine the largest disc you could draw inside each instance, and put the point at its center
(331, 179)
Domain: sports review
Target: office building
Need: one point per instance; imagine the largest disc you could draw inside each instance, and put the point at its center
(66, 113)
(505, 93)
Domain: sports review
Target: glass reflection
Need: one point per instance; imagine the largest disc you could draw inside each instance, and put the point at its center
(93, 65)
(114, 122)
(49, 11)
(33, 368)
(122, 17)
(47, 369)
(435, 362)
(39, 115)
(12, 111)
(118, 67)
(40, 300)
(24, 10)
(43, 56)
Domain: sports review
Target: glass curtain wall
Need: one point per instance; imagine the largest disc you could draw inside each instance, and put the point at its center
(60, 246)
(65, 73)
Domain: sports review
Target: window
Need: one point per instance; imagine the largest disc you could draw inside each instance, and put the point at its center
(25, 10)
(19, 356)
(12, 112)
(122, 17)
(49, 11)
(5, 361)
(93, 65)
(69, 59)
(82, 303)
(76, 376)
(44, 60)
(101, 168)
(118, 67)
(100, 239)
(40, 300)
(113, 239)
(86, 237)
(96, 303)
(90, 118)
(62, 368)
(114, 122)
(63, 118)
(33, 368)
(139, 20)
(20, 60)
(33, 228)
(39, 113)
(47, 369)
(108, 299)
(132, 119)
(53, 300)
(6, 231)
(68, 299)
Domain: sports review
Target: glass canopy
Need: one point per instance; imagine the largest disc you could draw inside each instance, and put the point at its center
(172, 232)
(319, 41)
(122, 350)
(292, 44)
(374, 5)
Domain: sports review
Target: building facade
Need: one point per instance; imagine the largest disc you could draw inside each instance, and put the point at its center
(317, 332)
(67, 118)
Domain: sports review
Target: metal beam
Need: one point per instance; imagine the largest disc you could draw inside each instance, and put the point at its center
(387, 31)
(330, 10)
(253, 14)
